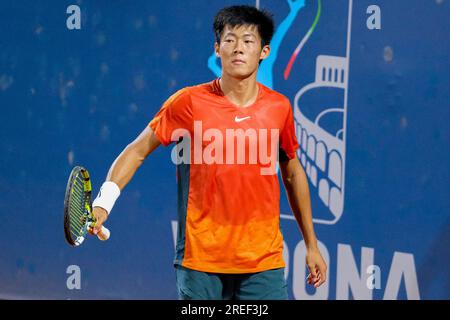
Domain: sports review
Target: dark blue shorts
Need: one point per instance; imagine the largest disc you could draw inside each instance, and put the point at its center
(197, 285)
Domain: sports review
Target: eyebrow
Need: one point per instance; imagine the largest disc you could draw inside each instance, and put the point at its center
(245, 34)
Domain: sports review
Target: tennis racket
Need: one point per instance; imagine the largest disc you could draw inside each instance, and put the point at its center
(78, 216)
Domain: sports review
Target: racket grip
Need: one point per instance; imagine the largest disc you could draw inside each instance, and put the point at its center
(104, 234)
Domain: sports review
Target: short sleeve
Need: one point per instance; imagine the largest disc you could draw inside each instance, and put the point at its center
(176, 113)
(288, 139)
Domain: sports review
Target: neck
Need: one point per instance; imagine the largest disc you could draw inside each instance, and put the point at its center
(242, 92)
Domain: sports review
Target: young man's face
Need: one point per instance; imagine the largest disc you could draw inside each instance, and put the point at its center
(240, 50)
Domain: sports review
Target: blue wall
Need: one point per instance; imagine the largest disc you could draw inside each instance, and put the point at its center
(379, 187)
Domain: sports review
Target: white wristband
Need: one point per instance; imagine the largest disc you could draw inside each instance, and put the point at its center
(107, 196)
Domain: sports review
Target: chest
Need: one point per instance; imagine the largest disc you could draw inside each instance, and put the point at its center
(223, 117)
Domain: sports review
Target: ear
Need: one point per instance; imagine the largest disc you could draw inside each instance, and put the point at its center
(216, 49)
(265, 51)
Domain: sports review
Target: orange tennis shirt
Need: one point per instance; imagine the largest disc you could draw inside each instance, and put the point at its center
(228, 196)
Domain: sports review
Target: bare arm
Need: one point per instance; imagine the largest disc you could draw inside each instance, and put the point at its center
(131, 158)
(125, 166)
(297, 190)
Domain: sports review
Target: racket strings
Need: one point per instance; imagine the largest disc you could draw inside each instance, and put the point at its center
(78, 207)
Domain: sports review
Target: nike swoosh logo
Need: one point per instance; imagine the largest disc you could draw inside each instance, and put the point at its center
(236, 119)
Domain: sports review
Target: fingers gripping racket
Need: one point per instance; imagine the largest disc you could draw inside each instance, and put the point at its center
(78, 216)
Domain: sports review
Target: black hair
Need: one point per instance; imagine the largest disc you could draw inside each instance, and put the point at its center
(244, 15)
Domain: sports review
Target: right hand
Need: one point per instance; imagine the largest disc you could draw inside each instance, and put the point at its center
(100, 216)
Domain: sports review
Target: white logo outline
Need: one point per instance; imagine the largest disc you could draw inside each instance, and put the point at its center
(236, 119)
(330, 71)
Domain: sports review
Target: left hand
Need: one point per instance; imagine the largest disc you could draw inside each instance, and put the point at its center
(317, 268)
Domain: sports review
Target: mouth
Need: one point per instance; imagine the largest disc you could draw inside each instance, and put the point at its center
(237, 61)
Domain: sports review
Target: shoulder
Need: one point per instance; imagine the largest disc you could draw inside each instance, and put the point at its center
(277, 99)
(197, 89)
(205, 89)
(180, 94)
(180, 99)
(274, 95)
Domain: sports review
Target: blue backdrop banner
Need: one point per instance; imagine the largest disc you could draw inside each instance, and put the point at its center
(369, 85)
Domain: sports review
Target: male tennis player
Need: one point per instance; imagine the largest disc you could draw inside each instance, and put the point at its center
(229, 133)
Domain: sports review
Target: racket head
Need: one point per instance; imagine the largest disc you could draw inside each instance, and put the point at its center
(77, 206)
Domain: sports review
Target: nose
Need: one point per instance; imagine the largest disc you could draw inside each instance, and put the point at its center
(238, 48)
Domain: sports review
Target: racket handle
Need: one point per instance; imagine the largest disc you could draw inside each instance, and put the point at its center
(104, 234)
